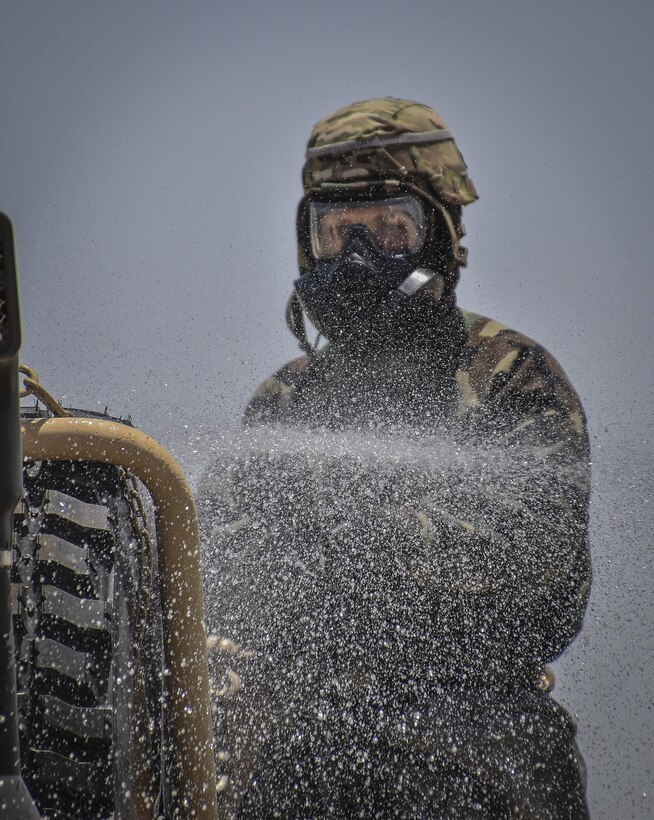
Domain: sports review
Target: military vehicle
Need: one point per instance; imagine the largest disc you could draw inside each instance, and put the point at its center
(104, 695)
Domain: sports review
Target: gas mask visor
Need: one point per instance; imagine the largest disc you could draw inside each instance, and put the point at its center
(396, 225)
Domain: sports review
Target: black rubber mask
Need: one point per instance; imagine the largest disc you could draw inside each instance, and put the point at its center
(363, 293)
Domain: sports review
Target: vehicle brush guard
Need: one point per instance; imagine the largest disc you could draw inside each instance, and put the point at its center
(70, 438)
(191, 738)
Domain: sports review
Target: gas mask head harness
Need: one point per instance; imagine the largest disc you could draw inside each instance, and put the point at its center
(368, 252)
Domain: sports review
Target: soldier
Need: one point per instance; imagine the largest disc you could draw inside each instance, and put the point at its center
(468, 588)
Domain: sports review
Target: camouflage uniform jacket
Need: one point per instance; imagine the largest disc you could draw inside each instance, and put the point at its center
(520, 569)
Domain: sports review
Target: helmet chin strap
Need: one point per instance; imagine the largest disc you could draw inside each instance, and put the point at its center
(459, 252)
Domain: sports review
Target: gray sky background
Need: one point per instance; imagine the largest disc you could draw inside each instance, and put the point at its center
(150, 157)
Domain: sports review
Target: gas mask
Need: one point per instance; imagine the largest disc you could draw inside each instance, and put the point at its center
(367, 271)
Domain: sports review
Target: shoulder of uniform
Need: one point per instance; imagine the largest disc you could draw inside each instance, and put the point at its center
(497, 348)
(273, 394)
(498, 362)
(293, 369)
(284, 378)
(481, 330)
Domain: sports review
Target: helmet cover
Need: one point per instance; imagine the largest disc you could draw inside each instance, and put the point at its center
(385, 138)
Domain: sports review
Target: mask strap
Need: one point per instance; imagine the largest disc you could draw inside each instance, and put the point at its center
(295, 322)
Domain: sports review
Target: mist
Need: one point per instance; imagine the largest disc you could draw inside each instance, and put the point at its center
(150, 160)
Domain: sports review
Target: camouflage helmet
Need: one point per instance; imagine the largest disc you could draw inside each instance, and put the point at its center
(385, 138)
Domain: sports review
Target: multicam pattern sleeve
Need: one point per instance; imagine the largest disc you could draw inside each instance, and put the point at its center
(517, 393)
(272, 401)
(524, 538)
(508, 542)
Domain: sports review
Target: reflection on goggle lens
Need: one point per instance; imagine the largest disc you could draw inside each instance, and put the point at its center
(397, 225)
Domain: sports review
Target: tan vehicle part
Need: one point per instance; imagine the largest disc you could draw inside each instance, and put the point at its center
(84, 439)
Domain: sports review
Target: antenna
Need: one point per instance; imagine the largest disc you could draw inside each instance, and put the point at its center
(15, 799)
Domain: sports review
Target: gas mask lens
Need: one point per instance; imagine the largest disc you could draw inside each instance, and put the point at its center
(396, 225)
